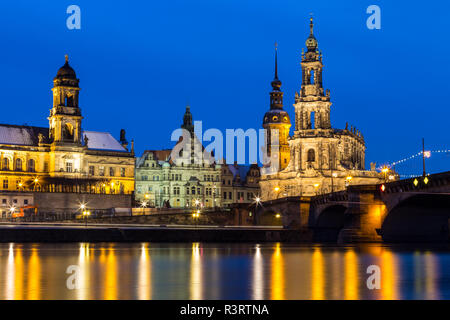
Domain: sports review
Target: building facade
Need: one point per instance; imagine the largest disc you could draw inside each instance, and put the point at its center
(240, 184)
(322, 159)
(194, 180)
(191, 179)
(64, 157)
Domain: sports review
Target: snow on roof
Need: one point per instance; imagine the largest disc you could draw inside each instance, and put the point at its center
(21, 135)
(102, 141)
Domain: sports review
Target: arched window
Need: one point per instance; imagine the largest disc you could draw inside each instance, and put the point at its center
(5, 164)
(68, 132)
(311, 155)
(311, 77)
(31, 165)
(312, 120)
(18, 164)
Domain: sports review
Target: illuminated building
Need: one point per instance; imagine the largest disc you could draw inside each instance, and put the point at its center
(182, 182)
(64, 158)
(322, 159)
(189, 182)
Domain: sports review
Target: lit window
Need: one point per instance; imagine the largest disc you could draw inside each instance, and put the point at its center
(69, 166)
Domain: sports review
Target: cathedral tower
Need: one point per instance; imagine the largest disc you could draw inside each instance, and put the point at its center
(65, 116)
(312, 106)
(277, 119)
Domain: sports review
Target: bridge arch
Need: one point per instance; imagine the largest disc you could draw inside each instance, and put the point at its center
(419, 218)
(329, 222)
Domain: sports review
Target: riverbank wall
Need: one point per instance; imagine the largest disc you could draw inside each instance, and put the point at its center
(150, 234)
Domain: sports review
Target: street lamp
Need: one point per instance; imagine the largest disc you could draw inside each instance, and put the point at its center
(316, 186)
(12, 209)
(277, 190)
(348, 179)
(196, 215)
(86, 214)
(385, 170)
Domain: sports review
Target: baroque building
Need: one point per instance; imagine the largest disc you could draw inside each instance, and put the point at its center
(64, 157)
(193, 180)
(322, 159)
(189, 180)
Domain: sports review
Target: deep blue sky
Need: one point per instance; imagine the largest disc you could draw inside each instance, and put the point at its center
(139, 63)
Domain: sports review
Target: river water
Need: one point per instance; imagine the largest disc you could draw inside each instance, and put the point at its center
(222, 271)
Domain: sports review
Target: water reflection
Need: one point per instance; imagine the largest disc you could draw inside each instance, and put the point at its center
(144, 283)
(221, 271)
(196, 285)
(351, 275)
(317, 283)
(258, 276)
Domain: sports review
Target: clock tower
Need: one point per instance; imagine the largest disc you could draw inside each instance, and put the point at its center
(276, 121)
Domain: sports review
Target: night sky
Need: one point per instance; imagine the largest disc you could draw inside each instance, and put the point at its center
(139, 63)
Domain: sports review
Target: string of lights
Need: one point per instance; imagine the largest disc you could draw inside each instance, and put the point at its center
(418, 154)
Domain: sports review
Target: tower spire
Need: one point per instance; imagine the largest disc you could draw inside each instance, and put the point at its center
(276, 61)
(311, 25)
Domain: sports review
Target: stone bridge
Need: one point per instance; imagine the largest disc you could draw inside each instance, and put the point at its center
(416, 209)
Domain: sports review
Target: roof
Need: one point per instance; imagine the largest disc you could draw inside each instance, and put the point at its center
(102, 141)
(29, 136)
(242, 170)
(21, 135)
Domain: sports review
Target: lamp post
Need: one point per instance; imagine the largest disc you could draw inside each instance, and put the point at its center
(86, 214)
(277, 190)
(385, 170)
(348, 179)
(196, 215)
(316, 186)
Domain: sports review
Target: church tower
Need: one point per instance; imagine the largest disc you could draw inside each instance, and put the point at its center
(187, 120)
(277, 120)
(65, 116)
(312, 106)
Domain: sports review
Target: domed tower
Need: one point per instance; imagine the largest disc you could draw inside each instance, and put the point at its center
(276, 121)
(65, 116)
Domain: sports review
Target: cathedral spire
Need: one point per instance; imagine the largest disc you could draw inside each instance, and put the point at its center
(187, 120)
(276, 62)
(276, 96)
(311, 42)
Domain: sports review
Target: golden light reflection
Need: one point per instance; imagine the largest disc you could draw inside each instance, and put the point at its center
(388, 276)
(83, 275)
(196, 284)
(145, 274)
(111, 284)
(18, 270)
(277, 276)
(318, 281)
(336, 262)
(351, 275)
(34, 274)
(258, 277)
(431, 274)
(10, 273)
